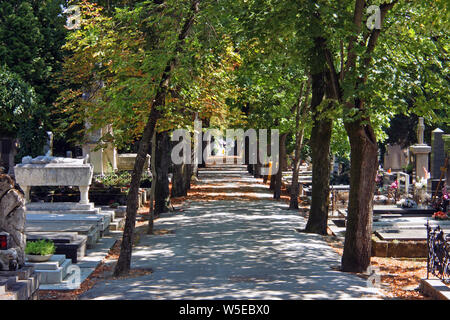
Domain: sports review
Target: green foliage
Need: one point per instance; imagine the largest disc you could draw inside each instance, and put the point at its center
(20, 115)
(40, 247)
(118, 179)
(31, 35)
(117, 61)
(113, 179)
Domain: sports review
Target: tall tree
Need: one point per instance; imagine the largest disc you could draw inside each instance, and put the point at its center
(301, 110)
(124, 261)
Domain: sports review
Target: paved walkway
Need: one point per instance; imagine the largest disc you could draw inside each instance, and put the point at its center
(234, 249)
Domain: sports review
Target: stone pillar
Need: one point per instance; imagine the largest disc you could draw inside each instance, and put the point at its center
(437, 159)
(446, 139)
(84, 194)
(103, 160)
(421, 152)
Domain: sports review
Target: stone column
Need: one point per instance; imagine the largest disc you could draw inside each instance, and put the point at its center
(421, 152)
(26, 191)
(84, 194)
(446, 139)
(437, 159)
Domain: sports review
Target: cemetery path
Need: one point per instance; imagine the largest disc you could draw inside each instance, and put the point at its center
(234, 248)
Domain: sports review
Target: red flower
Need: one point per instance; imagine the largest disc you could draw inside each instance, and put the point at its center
(440, 215)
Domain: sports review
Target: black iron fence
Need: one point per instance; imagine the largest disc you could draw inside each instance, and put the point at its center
(438, 262)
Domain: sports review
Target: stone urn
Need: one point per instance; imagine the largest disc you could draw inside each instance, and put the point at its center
(38, 257)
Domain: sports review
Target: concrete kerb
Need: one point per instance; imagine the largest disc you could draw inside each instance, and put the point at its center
(435, 289)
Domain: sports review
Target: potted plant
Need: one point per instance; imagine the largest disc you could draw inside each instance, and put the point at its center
(39, 251)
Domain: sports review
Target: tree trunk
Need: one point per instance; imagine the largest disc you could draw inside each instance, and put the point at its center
(124, 261)
(301, 110)
(293, 203)
(281, 166)
(162, 158)
(320, 147)
(180, 178)
(151, 213)
(357, 246)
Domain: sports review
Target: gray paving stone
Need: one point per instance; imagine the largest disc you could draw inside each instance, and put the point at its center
(235, 250)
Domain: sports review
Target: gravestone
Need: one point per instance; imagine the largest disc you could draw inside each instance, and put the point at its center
(12, 222)
(125, 161)
(395, 158)
(103, 160)
(446, 139)
(437, 158)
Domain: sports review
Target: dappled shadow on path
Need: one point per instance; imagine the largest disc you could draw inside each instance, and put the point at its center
(234, 250)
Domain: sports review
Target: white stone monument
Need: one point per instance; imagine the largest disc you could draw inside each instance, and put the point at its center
(421, 152)
(103, 160)
(54, 171)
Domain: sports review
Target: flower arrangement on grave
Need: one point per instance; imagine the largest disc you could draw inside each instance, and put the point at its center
(440, 215)
(393, 190)
(420, 188)
(442, 203)
(421, 184)
(407, 203)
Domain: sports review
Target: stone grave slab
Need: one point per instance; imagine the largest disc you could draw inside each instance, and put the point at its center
(65, 206)
(90, 230)
(52, 271)
(386, 209)
(101, 221)
(71, 244)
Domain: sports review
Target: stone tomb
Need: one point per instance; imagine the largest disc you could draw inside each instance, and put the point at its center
(85, 219)
(51, 171)
(397, 232)
(53, 271)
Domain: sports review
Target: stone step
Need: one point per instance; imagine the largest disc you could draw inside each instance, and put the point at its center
(21, 274)
(59, 206)
(6, 283)
(70, 212)
(52, 271)
(17, 291)
(223, 173)
(117, 224)
(226, 168)
(19, 285)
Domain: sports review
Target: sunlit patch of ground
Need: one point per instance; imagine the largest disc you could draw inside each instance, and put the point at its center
(102, 272)
(400, 278)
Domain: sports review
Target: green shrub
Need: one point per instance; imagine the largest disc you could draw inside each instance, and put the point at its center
(41, 247)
